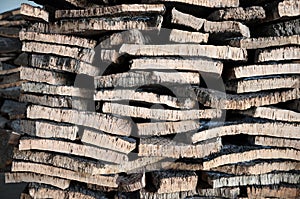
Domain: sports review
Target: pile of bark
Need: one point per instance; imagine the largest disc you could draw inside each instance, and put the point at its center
(11, 58)
(158, 99)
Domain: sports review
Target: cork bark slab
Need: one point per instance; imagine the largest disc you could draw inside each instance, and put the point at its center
(273, 129)
(105, 24)
(286, 28)
(265, 42)
(82, 54)
(190, 64)
(144, 194)
(293, 105)
(159, 114)
(166, 128)
(73, 149)
(263, 70)
(10, 93)
(283, 9)
(10, 71)
(277, 142)
(9, 13)
(132, 182)
(117, 10)
(39, 75)
(50, 62)
(226, 28)
(132, 95)
(141, 78)
(39, 178)
(47, 100)
(42, 192)
(72, 163)
(248, 14)
(9, 78)
(129, 37)
(217, 99)
(258, 167)
(7, 23)
(57, 39)
(103, 140)
(273, 113)
(171, 181)
(9, 45)
(180, 36)
(46, 89)
(188, 20)
(280, 192)
(45, 129)
(34, 13)
(110, 181)
(168, 165)
(261, 84)
(10, 32)
(163, 147)
(219, 192)
(256, 154)
(264, 179)
(278, 54)
(189, 50)
(209, 4)
(103, 122)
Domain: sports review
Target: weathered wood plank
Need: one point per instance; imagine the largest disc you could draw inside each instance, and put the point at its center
(132, 95)
(174, 181)
(265, 42)
(48, 130)
(57, 39)
(100, 139)
(141, 78)
(216, 99)
(110, 181)
(255, 154)
(144, 194)
(72, 148)
(35, 13)
(263, 70)
(120, 10)
(192, 64)
(273, 113)
(163, 147)
(248, 14)
(278, 54)
(192, 50)
(262, 84)
(103, 122)
(273, 129)
(166, 128)
(39, 178)
(160, 114)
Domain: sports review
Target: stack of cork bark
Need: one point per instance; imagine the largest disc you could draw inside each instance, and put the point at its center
(159, 99)
(11, 58)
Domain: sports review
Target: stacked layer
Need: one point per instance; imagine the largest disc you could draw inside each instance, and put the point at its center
(128, 100)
